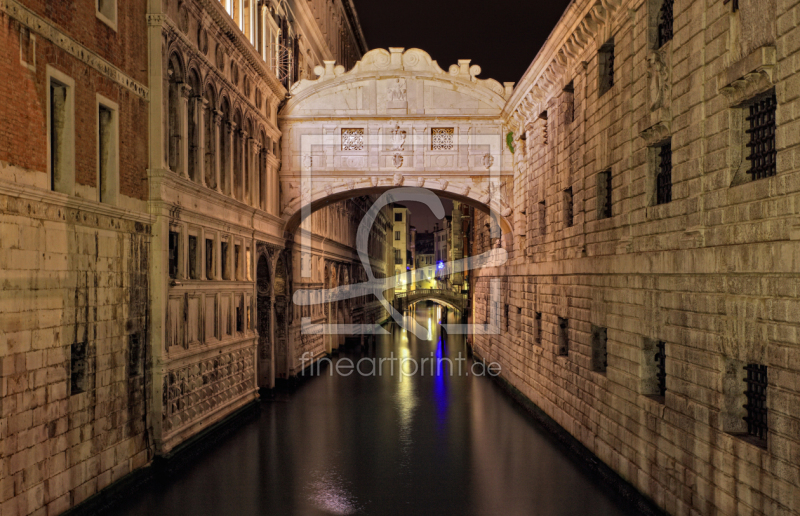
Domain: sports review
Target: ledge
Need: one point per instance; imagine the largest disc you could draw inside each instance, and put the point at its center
(748, 76)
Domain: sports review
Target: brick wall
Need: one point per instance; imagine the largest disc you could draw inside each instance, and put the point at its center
(713, 274)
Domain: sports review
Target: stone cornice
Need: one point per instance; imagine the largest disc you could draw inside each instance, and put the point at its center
(59, 38)
(580, 24)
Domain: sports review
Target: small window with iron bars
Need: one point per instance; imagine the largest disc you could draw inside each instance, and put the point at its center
(664, 174)
(569, 208)
(734, 4)
(606, 67)
(756, 406)
(665, 19)
(761, 141)
(661, 368)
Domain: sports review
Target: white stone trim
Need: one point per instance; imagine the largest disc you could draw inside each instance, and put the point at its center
(65, 183)
(111, 193)
(111, 22)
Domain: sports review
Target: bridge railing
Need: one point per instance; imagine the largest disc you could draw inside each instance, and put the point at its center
(431, 292)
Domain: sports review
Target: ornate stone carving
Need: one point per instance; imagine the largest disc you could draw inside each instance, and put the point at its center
(202, 40)
(398, 179)
(445, 184)
(308, 160)
(351, 184)
(658, 80)
(488, 160)
(374, 181)
(219, 57)
(183, 18)
(397, 91)
(234, 73)
(420, 182)
(397, 160)
(398, 138)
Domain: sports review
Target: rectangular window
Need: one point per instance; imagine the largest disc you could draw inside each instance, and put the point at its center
(78, 370)
(563, 337)
(599, 349)
(604, 195)
(397, 235)
(248, 264)
(606, 67)
(538, 330)
(61, 127)
(569, 214)
(107, 156)
(661, 368)
(107, 12)
(240, 314)
(209, 259)
(756, 394)
(174, 249)
(226, 275)
(664, 174)
(543, 118)
(506, 315)
(442, 138)
(398, 217)
(542, 218)
(763, 153)
(194, 273)
(665, 19)
(237, 261)
(352, 139)
(569, 102)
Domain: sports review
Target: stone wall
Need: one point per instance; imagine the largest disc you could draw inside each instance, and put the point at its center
(712, 273)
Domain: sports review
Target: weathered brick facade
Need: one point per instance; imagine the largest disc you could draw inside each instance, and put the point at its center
(74, 298)
(711, 272)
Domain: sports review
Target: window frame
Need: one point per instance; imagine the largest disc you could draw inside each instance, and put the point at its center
(63, 179)
(103, 17)
(108, 190)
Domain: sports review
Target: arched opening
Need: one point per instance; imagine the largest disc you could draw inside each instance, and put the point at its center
(225, 146)
(247, 157)
(176, 78)
(237, 154)
(264, 313)
(282, 307)
(262, 171)
(195, 110)
(209, 138)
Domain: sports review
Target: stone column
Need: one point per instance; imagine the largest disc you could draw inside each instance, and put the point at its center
(200, 121)
(253, 173)
(243, 168)
(183, 116)
(218, 133)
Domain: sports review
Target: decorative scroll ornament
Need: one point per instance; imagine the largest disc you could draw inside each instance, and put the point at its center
(488, 160)
(397, 160)
(398, 138)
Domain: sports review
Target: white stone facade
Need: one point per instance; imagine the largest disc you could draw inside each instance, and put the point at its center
(604, 266)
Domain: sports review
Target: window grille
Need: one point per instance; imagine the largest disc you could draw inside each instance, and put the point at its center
(664, 176)
(538, 334)
(542, 218)
(606, 67)
(352, 139)
(756, 393)
(569, 218)
(174, 239)
(442, 138)
(661, 368)
(563, 337)
(734, 4)
(604, 187)
(665, 22)
(762, 138)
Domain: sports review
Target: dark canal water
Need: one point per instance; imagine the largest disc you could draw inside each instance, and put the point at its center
(384, 445)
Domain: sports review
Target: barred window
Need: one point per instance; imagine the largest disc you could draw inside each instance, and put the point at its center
(174, 246)
(542, 218)
(442, 138)
(352, 139)
(665, 22)
(569, 102)
(661, 368)
(569, 214)
(563, 337)
(604, 195)
(599, 349)
(538, 330)
(664, 175)
(606, 67)
(734, 4)
(763, 153)
(756, 393)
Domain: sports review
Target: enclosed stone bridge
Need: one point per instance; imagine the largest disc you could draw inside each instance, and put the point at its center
(455, 300)
(395, 119)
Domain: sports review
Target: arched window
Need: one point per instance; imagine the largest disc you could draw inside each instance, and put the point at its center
(248, 150)
(210, 163)
(225, 146)
(237, 156)
(195, 105)
(175, 78)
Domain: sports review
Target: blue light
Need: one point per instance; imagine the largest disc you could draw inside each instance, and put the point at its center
(440, 265)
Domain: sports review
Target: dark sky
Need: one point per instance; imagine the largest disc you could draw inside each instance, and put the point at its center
(500, 36)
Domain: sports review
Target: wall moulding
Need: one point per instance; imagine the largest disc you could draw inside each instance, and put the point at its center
(749, 76)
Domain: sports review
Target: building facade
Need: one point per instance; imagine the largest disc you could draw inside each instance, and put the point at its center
(400, 244)
(649, 303)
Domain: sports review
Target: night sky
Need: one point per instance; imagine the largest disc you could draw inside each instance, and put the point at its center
(501, 37)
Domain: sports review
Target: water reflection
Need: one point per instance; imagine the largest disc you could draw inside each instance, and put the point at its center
(438, 442)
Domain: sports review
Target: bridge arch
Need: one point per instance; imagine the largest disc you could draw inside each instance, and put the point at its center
(396, 119)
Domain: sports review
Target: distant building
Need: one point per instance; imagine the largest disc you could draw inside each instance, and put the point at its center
(400, 241)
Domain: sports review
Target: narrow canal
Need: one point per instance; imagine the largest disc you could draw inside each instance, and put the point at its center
(383, 445)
